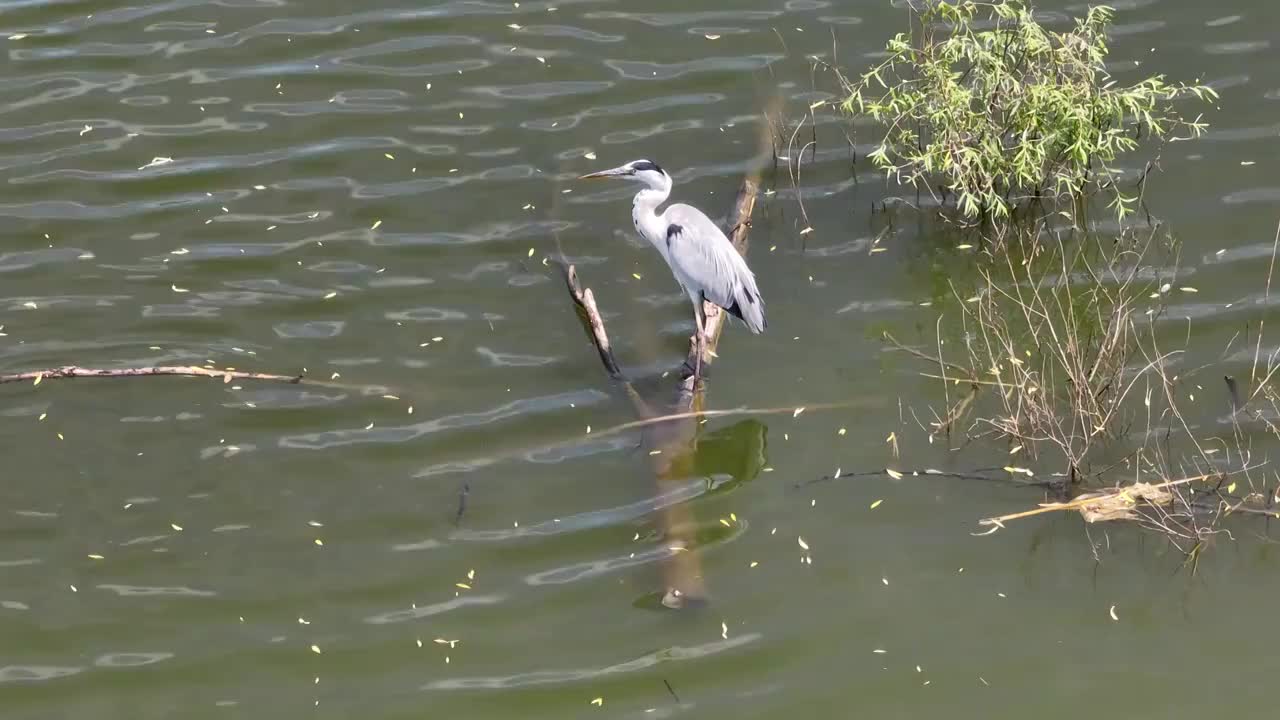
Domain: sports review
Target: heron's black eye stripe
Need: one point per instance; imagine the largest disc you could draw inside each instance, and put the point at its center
(641, 165)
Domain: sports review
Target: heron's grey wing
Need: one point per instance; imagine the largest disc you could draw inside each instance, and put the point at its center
(704, 261)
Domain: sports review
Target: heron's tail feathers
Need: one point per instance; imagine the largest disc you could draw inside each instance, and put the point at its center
(748, 307)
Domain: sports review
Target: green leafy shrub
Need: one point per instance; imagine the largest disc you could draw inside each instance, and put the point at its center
(997, 112)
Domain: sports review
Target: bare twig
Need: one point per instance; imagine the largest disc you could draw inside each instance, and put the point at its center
(589, 314)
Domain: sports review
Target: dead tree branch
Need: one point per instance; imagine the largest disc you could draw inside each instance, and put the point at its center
(75, 371)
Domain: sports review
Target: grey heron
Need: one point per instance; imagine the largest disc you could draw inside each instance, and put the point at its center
(704, 262)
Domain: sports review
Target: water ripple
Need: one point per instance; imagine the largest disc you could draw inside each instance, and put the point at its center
(594, 568)
(558, 677)
(131, 659)
(502, 359)
(640, 70)
(35, 673)
(406, 433)
(1239, 47)
(150, 591)
(686, 18)
(417, 613)
(590, 519)
(542, 91)
(566, 122)
(10, 262)
(570, 31)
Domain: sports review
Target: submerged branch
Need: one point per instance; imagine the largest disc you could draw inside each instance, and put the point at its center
(75, 371)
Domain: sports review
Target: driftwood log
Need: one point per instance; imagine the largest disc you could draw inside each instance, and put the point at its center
(672, 441)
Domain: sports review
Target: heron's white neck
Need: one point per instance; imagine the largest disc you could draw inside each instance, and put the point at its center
(644, 211)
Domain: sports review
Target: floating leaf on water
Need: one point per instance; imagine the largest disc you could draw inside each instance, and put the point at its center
(803, 545)
(590, 156)
(315, 649)
(598, 701)
(95, 556)
(797, 412)
(893, 473)
(176, 527)
(724, 522)
(319, 542)
(1113, 613)
(711, 37)
(331, 295)
(39, 377)
(462, 585)
(178, 289)
(1231, 488)
(377, 224)
(754, 564)
(636, 276)
(724, 630)
(806, 231)
(875, 505)
(1188, 290)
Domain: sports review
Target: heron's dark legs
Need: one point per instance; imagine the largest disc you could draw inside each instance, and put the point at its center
(700, 341)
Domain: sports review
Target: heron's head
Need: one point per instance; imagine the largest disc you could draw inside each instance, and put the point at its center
(644, 171)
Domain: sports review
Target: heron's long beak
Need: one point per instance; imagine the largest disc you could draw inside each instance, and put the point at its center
(621, 171)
